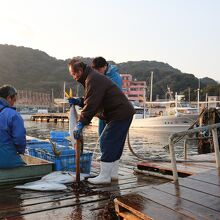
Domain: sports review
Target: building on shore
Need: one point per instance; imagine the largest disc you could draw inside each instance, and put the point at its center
(133, 89)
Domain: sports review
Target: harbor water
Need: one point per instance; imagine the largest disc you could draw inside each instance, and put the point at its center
(146, 143)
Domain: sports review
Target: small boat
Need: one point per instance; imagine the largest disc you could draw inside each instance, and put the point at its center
(34, 169)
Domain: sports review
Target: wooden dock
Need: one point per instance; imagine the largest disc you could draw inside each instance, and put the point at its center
(136, 197)
(194, 197)
(92, 202)
(51, 117)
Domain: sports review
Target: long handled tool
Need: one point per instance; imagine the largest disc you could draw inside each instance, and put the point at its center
(78, 149)
(75, 143)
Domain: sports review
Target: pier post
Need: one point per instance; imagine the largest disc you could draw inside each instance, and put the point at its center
(216, 147)
(173, 159)
(185, 148)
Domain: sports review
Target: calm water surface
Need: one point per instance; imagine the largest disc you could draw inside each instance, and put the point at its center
(146, 143)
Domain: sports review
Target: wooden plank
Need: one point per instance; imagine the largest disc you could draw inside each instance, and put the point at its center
(145, 208)
(185, 168)
(207, 165)
(34, 205)
(215, 172)
(13, 202)
(164, 168)
(121, 187)
(180, 205)
(200, 198)
(125, 169)
(28, 194)
(201, 186)
(206, 177)
(13, 196)
(50, 205)
(78, 212)
(128, 215)
(26, 210)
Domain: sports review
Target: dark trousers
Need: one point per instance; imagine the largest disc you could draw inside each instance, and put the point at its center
(113, 139)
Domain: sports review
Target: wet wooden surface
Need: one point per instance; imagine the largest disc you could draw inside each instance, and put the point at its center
(184, 168)
(193, 197)
(91, 202)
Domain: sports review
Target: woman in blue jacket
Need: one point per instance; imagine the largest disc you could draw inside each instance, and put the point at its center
(12, 131)
(111, 71)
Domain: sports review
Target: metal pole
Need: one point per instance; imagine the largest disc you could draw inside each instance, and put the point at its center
(216, 146)
(173, 160)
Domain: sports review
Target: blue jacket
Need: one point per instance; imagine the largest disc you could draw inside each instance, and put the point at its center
(112, 73)
(12, 136)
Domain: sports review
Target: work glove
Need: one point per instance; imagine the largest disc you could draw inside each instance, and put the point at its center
(78, 130)
(75, 101)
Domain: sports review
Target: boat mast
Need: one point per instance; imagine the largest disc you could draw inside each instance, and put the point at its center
(198, 97)
(144, 101)
(176, 103)
(151, 90)
(52, 99)
(64, 90)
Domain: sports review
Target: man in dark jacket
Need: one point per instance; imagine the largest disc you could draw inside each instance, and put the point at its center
(104, 99)
(12, 131)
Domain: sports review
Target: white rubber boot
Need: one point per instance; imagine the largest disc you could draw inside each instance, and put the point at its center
(105, 174)
(114, 174)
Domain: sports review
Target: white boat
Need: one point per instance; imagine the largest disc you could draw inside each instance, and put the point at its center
(165, 123)
(166, 116)
(163, 116)
(172, 116)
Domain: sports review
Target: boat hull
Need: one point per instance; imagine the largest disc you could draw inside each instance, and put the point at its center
(34, 169)
(170, 123)
(166, 123)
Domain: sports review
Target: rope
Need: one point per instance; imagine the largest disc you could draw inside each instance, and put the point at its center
(97, 143)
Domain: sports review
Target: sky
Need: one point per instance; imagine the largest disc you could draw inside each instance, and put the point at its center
(183, 33)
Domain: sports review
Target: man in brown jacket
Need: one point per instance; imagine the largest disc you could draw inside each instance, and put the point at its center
(104, 99)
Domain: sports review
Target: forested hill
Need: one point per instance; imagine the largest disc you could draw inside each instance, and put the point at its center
(26, 68)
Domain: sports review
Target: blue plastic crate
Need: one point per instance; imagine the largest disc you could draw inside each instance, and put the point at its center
(63, 142)
(67, 162)
(59, 134)
(64, 151)
(34, 142)
(32, 149)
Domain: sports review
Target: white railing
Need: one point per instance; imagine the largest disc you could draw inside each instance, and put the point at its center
(213, 128)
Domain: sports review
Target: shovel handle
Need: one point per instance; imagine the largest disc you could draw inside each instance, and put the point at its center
(78, 160)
